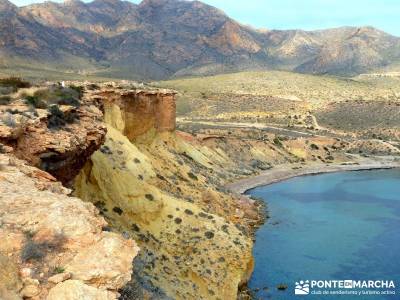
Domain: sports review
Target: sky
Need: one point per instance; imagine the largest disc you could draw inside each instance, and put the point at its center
(307, 14)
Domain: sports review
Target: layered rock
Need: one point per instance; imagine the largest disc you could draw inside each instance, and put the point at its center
(160, 189)
(60, 150)
(138, 112)
(53, 245)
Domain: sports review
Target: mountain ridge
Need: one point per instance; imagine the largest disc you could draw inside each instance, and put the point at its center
(159, 39)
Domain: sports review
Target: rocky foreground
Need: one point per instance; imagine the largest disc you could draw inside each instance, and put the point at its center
(54, 246)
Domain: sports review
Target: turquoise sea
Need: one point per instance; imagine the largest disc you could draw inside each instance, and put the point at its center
(339, 226)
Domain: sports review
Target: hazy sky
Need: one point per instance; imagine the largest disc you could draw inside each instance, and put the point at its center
(307, 14)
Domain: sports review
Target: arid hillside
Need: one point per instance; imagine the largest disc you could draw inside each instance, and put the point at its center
(160, 39)
(290, 104)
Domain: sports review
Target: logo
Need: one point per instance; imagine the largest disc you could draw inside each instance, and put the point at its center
(302, 288)
(345, 287)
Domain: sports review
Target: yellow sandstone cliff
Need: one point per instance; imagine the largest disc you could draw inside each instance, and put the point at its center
(151, 184)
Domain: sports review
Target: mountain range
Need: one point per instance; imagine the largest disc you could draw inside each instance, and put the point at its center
(159, 39)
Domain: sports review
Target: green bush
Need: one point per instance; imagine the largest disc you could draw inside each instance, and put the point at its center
(57, 118)
(14, 82)
(59, 96)
(59, 270)
(277, 142)
(35, 101)
(78, 89)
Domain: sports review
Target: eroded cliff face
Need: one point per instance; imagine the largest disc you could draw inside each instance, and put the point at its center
(162, 190)
(139, 112)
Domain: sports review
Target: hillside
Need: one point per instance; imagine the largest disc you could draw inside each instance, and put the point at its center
(290, 104)
(163, 39)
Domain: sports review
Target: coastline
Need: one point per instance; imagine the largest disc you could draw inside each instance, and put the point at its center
(287, 171)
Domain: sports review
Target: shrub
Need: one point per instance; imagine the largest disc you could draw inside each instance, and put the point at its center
(9, 120)
(60, 96)
(68, 97)
(35, 101)
(118, 210)
(192, 176)
(32, 251)
(58, 270)
(92, 87)
(4, 100)
(209, 235)
(14, 82)
(78, 89)
(36, 251)
(58, 118)
(314, 147)
(277, 142)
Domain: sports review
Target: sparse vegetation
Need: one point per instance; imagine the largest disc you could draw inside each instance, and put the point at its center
(37, 251)
(36, 102)
(118, 210)
(57, 118)
(58, 95)
(78, 89)
(5, 99)
(58, 270)
(15, 83)
(277, 141)
(192, 176)
(8, 119)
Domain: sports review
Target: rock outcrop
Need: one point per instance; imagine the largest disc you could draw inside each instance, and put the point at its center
(54, 245)
(36, 135)
(161, 190)
(138, 112)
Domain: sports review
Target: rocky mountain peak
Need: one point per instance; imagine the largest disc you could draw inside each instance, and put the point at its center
(161, 38)
(6, 5)
(156, 2)
(114, 3)
(73, 3)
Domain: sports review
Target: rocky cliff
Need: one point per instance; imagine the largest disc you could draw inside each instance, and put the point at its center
(137, 112)
(55, 137)
(160, 188)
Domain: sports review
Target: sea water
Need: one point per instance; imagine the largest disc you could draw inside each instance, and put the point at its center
(342, 227)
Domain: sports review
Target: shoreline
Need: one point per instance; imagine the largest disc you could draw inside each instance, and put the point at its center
(287, 171)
